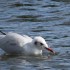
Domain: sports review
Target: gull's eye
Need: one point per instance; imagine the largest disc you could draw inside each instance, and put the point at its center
(41, 43)
(35, 42)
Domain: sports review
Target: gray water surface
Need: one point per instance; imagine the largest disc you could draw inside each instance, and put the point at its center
(47, 18)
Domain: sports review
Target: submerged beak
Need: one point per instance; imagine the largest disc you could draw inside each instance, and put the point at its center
(49, 49)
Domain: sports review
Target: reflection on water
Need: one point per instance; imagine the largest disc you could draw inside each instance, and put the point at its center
(47, 18)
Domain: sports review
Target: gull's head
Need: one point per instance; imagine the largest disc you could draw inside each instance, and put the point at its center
(40, 43)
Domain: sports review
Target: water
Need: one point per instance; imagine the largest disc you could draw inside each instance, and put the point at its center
(47, 18)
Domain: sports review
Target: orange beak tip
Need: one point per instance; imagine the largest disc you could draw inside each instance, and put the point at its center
(54, 52)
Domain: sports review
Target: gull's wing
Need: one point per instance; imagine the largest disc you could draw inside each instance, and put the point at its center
(27, 38)
(14, 42)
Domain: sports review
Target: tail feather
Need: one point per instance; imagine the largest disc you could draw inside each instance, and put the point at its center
(3, 32)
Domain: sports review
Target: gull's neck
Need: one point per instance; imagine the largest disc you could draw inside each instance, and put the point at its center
(36, 50)
(31, 49)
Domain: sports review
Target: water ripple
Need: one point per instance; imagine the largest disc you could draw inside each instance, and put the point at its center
(47, 18)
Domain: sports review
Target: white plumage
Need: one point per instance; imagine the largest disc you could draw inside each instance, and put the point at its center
(13, 43)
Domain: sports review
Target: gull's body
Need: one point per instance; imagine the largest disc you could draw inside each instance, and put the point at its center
(13, 43)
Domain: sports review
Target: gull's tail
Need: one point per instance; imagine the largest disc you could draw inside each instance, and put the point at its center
(2, 32)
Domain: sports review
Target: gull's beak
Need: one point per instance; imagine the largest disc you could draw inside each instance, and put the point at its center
(51, 50)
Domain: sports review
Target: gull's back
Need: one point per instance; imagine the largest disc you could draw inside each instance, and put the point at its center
(14, 43)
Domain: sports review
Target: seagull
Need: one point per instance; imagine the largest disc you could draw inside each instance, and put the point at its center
(14, 43)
